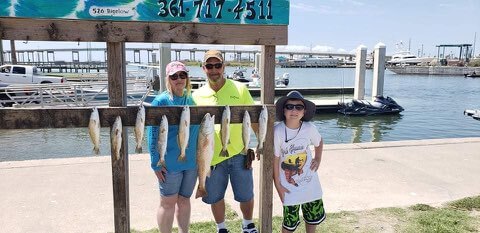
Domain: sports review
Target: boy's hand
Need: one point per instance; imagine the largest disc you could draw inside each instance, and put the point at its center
(281, 192)
(314, 165)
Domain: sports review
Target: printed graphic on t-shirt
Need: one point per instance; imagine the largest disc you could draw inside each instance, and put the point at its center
(295, 163)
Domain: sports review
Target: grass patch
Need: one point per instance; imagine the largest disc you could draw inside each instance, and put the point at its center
(468, 203)
(457, 216)
(440, 220)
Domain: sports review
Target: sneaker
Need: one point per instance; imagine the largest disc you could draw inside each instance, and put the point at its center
(223, 230)
(250, 228)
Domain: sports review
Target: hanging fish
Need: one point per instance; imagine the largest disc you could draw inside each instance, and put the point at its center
(183, 132)
(139, 128)
(162, 141)
(116, 137)
(205, 148)
(94, 130)
(246, 125)
(262, 129)
(225, 131)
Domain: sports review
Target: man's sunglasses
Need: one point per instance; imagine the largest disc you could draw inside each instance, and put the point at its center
(176, 76)
(216, 65)
(298, 107)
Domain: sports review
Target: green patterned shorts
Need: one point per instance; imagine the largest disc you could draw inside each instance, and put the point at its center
(313, 214)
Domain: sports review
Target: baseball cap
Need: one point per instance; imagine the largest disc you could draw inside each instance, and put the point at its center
(213, 53)
(175, 66)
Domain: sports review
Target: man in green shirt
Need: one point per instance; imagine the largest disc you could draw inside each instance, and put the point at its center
(222, 91)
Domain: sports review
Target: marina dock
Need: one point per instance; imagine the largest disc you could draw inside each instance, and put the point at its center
(75, 194)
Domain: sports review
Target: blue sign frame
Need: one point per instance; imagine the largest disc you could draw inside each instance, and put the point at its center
(258, 12)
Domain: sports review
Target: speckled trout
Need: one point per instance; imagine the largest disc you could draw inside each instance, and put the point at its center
(206, 137)
(246, 125)
(139, 129)
(183, 132)
(262, 129)
(94, 130)
(162, 141)
(116, 137)
(225, 131)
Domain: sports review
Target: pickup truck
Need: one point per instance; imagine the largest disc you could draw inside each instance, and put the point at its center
(23, 74)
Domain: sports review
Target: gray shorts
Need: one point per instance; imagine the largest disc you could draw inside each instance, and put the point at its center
(182, 182)
(241, 178)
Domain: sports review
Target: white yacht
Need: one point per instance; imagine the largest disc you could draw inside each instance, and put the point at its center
(407, 58)
(404, 57)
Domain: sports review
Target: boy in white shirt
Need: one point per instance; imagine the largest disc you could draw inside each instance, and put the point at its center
(296, 164)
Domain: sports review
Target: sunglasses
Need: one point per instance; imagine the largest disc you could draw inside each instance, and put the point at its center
(298, 107)
(176, 76)
(216, 65)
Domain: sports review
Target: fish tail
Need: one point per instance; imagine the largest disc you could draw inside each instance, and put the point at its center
(201, 192)
(224, 153)
(96, 150)
(260, 150)
(138, 149)
(161, 163)
(245, 150)
(181, 157)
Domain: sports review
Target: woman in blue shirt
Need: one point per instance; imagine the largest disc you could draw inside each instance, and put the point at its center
(177, 178)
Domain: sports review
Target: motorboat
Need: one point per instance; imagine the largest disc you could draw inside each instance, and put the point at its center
(474, 113)
(407, 58)
(380, 105)
(281, 81)
(240, 75)
(403, 57)
(472, 75)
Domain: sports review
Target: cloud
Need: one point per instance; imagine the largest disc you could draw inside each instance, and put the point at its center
(310, 8)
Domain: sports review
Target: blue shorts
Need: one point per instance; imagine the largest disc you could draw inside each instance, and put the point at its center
(181, 183)
(241, 178)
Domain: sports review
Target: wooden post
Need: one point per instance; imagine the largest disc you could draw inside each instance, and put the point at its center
(267, 96)
(165, 56)
(13, 52)
(359, 91)
(1, 52)
(117, 94)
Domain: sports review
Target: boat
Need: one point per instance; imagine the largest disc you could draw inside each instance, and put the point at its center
(380, 105)
(474, 113)
(280, 82)
(472, 75)
(403, 57)
(240, 75)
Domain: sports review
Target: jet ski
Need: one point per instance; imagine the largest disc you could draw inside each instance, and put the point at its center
(380, 105)
(472, 75)
(474, 113)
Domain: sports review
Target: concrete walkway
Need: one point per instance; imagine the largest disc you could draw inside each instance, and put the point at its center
(75, 195)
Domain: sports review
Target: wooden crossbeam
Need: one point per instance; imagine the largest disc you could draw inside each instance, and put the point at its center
(12, 118)
(158, 32)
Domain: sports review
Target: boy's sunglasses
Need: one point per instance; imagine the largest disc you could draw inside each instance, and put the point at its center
(176, 76)
(216, 65)
(298, 107)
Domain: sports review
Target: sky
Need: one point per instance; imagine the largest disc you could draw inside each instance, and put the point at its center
(343, 25)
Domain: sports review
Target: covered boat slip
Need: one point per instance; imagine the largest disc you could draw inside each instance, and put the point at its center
(248, 29)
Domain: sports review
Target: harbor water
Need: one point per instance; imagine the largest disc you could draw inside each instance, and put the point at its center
(433, 105)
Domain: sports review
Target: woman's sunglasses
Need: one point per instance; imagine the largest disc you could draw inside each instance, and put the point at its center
(216, 65)
(298, 107)
(176, 76)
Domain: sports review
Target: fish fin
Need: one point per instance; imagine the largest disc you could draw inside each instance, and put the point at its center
(224, 153)
(201, 192)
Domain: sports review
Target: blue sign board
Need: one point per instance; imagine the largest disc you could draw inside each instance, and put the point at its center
(269, 12)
